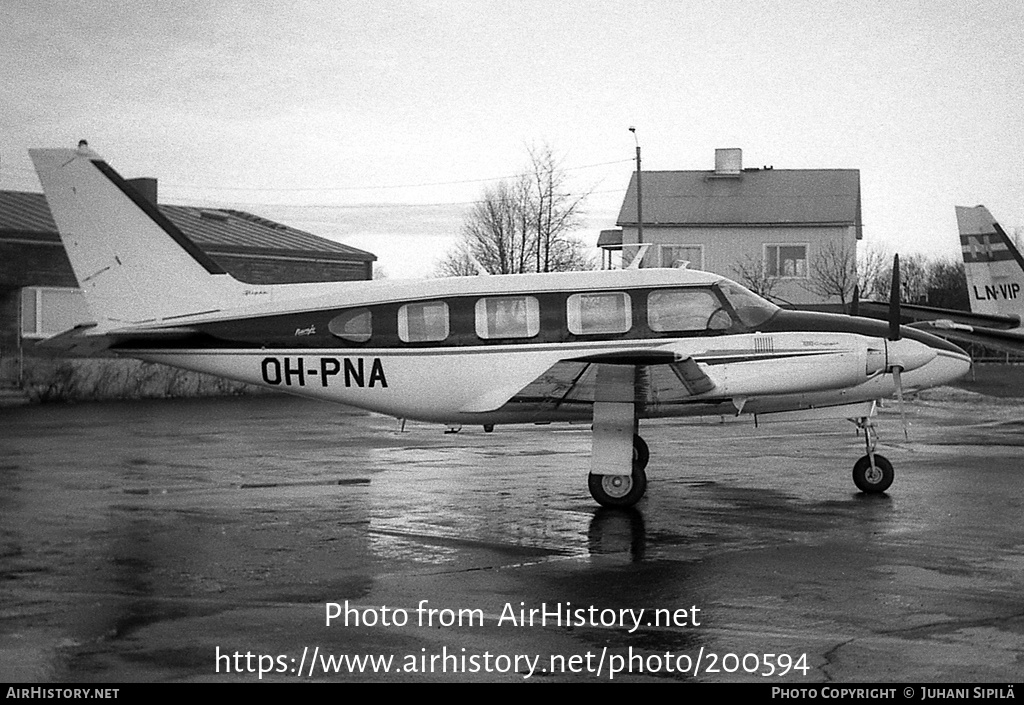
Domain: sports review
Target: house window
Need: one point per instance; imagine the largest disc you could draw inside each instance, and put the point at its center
(47, 311)
(423, 322)
(355, 326)
(786, 261)
(507, 317)
(676, 255)
(604, 312)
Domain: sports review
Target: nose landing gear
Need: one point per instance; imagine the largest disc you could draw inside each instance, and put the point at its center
(873, 473)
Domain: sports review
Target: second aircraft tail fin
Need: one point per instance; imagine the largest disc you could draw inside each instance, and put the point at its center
(994, 266)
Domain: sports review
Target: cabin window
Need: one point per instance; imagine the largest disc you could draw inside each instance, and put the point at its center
(423, 322)
(751, 308)
(686, 310)
(507, 317)
(356, 325)
(786, 261)
(602, 312)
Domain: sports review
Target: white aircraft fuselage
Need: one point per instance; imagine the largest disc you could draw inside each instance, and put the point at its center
(761, 359)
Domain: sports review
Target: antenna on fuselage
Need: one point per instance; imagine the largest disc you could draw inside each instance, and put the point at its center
(640, 252)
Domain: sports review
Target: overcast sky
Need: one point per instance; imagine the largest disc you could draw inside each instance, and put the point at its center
(312, 113)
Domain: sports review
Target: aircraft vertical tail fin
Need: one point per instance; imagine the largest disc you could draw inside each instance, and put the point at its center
(994, 266)
(133, 264)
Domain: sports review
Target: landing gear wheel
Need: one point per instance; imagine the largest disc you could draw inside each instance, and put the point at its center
(618, 490)
(623, 490)
(873, 480)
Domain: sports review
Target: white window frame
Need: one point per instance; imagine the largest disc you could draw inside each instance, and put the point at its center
(483, 328)
(403, 323)
(807, 259)
(700, 318)
(665, 248)
(575, 318)
(36, 293)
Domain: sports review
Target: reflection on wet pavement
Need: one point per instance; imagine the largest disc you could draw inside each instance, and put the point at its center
(137, 538)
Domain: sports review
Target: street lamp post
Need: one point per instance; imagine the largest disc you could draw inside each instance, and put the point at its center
(639, 195)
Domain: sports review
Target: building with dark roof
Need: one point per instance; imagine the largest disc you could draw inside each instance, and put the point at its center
(775, 230)
(39, 294)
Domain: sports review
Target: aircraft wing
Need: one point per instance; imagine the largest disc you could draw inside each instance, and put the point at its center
(661, 377)
(913, 314)
(1011, 341)
(999, 332)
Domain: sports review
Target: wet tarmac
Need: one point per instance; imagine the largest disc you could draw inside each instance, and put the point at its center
(199, 540)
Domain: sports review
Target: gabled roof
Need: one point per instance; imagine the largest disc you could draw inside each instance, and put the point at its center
(215, 230)
(797, 197)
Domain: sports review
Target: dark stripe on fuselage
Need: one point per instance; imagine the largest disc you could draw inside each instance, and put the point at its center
(282, 332)
(310, 329)
(160, 219)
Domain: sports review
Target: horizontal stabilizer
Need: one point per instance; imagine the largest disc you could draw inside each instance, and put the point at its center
(85, 340)
(76, 341)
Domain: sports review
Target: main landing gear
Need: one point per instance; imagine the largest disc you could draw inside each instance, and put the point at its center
(623, 490)
(616, 445)
(873, 474)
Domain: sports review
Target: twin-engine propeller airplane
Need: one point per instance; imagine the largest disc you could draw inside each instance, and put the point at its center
(608, 347)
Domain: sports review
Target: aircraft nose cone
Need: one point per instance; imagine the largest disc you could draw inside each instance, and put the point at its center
(908, 354)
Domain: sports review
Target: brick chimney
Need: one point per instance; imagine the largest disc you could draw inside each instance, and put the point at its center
(728, 162)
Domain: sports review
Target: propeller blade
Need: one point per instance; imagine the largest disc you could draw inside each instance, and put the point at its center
(894, 300)
(897, 378)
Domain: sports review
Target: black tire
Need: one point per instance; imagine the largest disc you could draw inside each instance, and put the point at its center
(618, 490)
(873, 482)
(641, 453)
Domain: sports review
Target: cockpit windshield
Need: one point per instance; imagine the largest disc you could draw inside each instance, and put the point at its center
(751, 308)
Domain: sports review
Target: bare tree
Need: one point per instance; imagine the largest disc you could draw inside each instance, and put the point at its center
(874, 264)
(494, 234)
(833, 272)
(914, 277)
(523, 225)
(457, 262)
(947, 285)
(752, 273)
(554, 211)
(935, 282)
